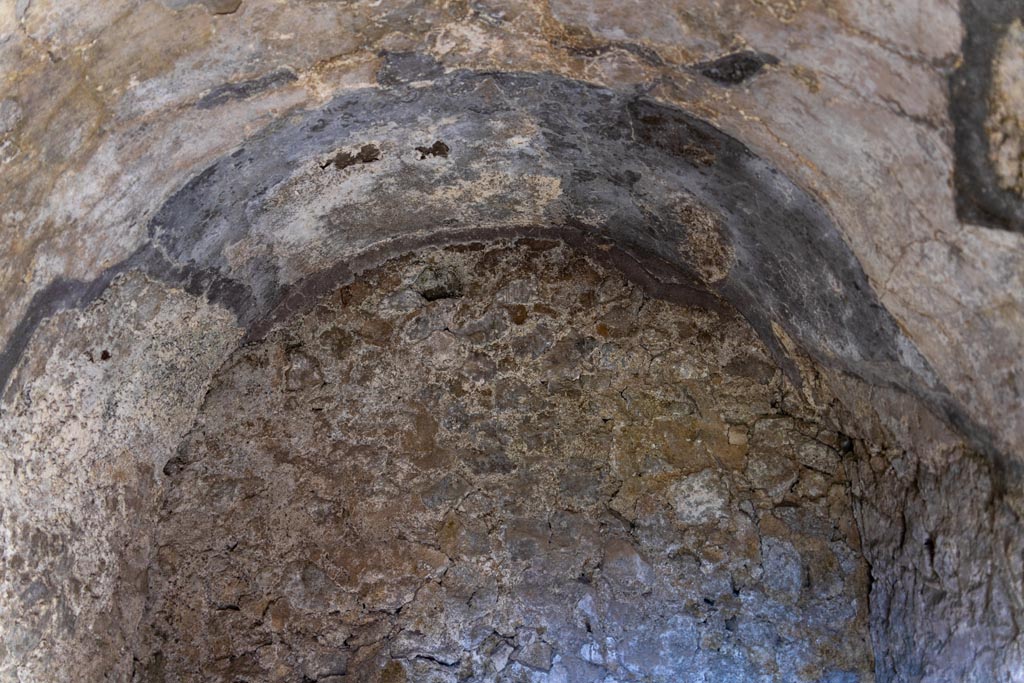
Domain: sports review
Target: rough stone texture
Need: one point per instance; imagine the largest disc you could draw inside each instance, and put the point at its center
(940, 530)
(532, 473)
(83, 444)
(946, 555)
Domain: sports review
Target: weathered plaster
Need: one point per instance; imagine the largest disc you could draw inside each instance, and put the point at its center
(165, 151)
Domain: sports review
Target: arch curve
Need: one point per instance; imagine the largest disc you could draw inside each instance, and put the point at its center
(321, 196)
(686, 207)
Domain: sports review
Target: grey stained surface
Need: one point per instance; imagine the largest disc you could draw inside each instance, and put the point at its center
(505, 463)
(264, 230)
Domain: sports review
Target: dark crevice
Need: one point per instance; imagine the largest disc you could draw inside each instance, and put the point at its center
(735, 68)
(367, 154)
(438, 149)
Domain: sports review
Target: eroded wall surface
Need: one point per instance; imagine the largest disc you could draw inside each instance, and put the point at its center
(505, 463)
(83, 444)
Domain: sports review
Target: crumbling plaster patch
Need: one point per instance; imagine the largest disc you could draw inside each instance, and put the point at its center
(112, 390)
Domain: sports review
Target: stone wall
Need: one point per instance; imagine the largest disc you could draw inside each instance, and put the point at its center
(505, 463)
(106, 400)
